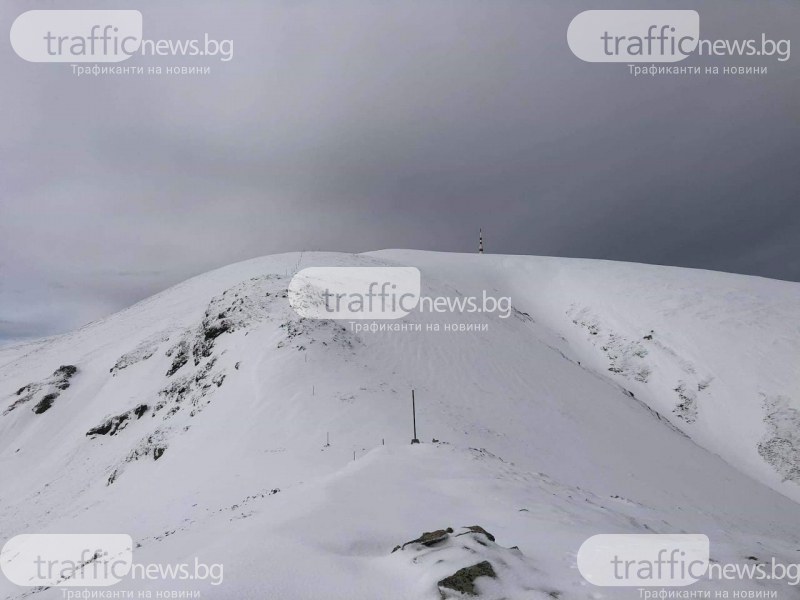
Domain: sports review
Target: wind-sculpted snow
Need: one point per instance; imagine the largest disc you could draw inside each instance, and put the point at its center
(151, 446)
(195, 371)
(636, 358)
(142, 352)
(781, 444)
(626, 357)
(243, 307)
(190, 390)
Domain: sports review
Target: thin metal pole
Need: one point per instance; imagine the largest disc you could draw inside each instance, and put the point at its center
(414, 412)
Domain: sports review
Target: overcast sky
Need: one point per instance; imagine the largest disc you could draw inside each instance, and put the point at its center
(360, 125)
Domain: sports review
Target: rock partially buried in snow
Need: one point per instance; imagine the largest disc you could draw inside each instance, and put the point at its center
(429, 538)
(471, 563)
(463, 580)
(478, 529)
(116, 423)
(51, 387)
(45, 403)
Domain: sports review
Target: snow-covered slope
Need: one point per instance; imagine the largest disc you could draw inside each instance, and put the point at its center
(616, 398)
(717, 354)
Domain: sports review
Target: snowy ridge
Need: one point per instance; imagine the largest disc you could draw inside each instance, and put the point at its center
(616, 398)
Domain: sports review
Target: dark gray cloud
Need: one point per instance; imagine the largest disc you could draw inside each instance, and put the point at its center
(362, 125)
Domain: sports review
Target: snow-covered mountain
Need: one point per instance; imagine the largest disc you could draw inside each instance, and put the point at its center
(617, 398)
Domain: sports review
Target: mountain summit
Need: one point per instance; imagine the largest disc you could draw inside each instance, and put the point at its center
(212, 420)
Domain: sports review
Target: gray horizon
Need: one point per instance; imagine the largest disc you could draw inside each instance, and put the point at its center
(355, 126)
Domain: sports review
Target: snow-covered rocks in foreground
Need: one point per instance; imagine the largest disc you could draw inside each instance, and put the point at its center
(616, 398)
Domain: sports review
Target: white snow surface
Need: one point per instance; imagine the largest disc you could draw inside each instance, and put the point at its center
(618, 398)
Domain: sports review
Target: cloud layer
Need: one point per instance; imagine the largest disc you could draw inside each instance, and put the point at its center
(361, 125)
